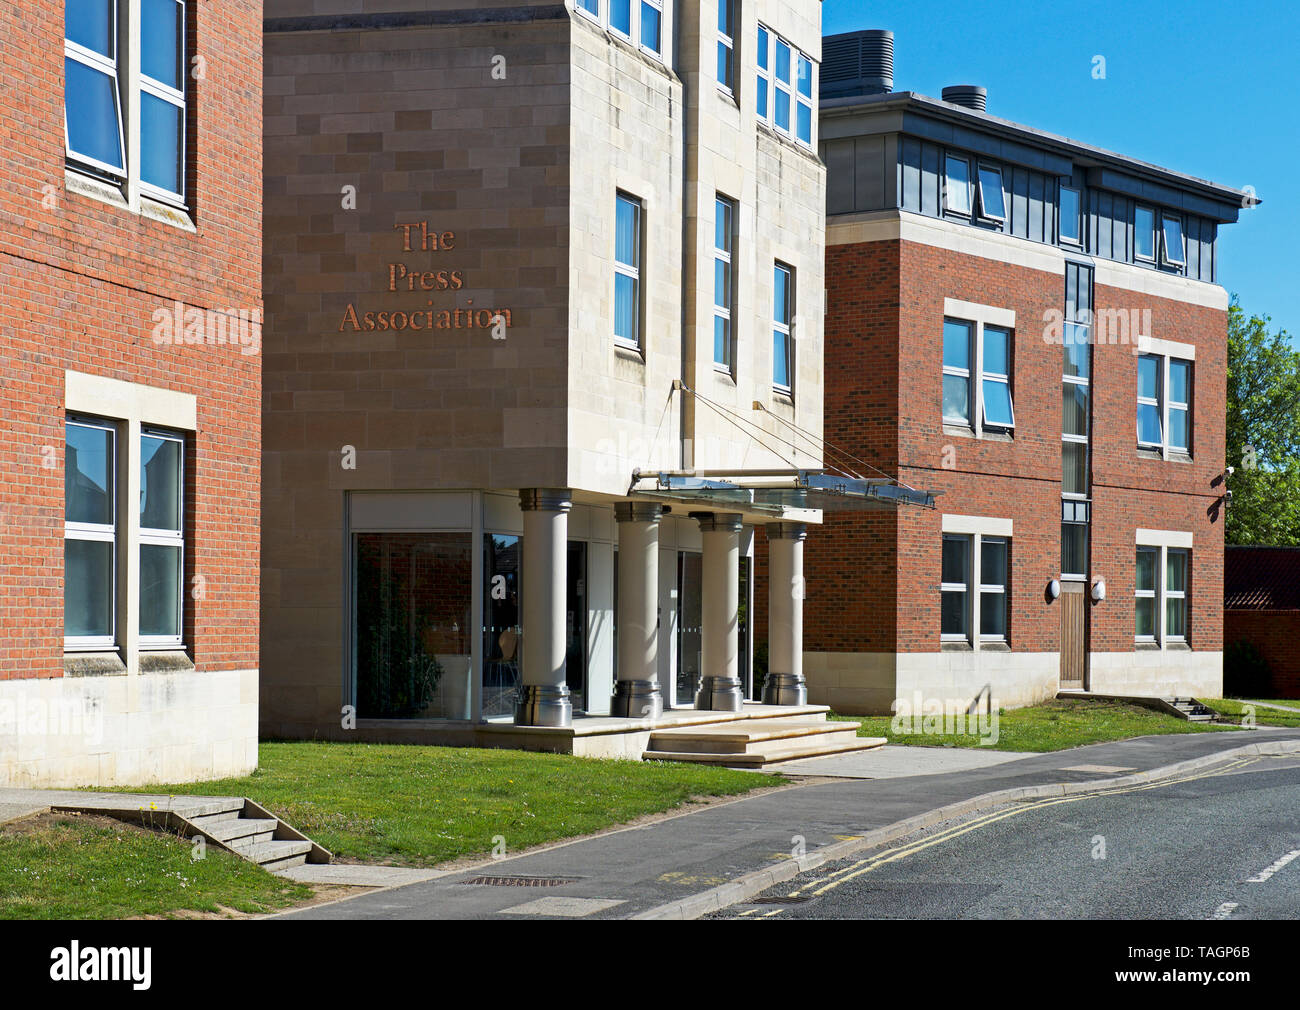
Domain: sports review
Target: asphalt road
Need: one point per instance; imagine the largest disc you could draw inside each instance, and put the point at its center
(1223, 844)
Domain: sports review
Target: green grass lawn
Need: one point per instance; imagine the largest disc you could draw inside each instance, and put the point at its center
(61, 866)
(1234, 708)
(421, 805)
(1053, 725)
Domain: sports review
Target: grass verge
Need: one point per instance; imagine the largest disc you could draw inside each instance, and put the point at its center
(1053, 725)
(1234, 709)
(423, 805)
(70, 866)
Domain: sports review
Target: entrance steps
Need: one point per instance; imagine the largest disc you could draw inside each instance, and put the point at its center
(1180, 708)
(757, 740)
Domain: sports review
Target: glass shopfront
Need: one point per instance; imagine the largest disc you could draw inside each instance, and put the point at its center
(501, 624)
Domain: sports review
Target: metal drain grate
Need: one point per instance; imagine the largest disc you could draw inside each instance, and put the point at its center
(517, 881)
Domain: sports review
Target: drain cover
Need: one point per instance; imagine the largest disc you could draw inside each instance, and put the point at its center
(518, 881)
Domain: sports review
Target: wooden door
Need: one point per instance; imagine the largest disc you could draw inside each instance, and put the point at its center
(1074, 656)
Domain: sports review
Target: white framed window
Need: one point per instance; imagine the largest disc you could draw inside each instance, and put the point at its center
(954, 588)
(1071, 208)
(956, 184)
(978, 342)
(993, 588)
(627, 270)
(1164, 404)
(727, 45)
(724, 284)
(1172, 252)
(641, 22)
(974, 580)
(1144, 233)
(785, 87)
(993, 201)
(162, 537)
(783, 328)
(90, 534)
(98, 88)
(1163, 564)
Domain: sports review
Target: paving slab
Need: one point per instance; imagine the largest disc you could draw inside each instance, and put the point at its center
(892, 762)
(359, 875)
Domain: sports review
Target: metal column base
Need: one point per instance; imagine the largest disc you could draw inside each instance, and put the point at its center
(720, 694)
(543, 705)
(785, 689)
(637, 699)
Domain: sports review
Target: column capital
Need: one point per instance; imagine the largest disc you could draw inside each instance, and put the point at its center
(719, 522)
(545, 499)
(638, 511)
(787, 531)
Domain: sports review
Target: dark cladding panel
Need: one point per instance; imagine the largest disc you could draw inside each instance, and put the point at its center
(911, 159)
(1020, 202)
(1036, 206)
(930, 180)
(1105, 205)
(838, 155)
(869, 173)
(1192, 237)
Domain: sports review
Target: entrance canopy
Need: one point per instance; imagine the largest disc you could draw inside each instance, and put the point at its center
(776, 493)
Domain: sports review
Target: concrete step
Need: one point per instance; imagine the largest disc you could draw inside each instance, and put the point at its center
(225, 810)
(265, 853)
(751, 736)
(238, 830)
(760, 760)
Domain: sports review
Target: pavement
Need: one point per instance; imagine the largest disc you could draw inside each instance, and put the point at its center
(687, 865)
(891, 762)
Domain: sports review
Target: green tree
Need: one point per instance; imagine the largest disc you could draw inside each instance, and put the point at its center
(1263, 432)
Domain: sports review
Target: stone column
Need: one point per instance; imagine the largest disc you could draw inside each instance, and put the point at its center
(544, 694)
(785, 684)
(636, 694)
(721, 690)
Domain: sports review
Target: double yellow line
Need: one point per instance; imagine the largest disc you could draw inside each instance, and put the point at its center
(862, 866)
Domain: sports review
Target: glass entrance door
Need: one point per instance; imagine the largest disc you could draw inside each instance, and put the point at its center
(575, 623)
(690, 586)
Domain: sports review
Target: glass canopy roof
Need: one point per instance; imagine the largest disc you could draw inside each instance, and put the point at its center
(774, 495)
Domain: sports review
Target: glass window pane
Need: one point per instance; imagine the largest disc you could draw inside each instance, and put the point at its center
(160, 590)
(956, 560)
(1148, 424)
(724, 64)
(780, 360)
(956, 343)
(1146, 570)
(88, 485)
(993, 614)
(90, 105)
(1173, 228)
(1144, 232)
(89, 23)
(1077, 358)
(724, 17)
(956, 399)
(650, 18)
(997, 359)
(722, 340)
(782, 62)
(1175, 618)
(1074, 468)
(997, 403)
(161, 141)
(1149, 377)
(762, 98)
(952, 613)
(160, 483)
(1176, 572)
(626, 244)
(1179, 379)
(722, 283)
(1146, 617)
(625, 307)
(763, 47)
(1177, 428)
(1074, 409)
(161, 48)
(620, 15)
(993, 562)
(805, 76)
(591, 6)
(1069, 214)
(957, 185)
(992, 200)
(413, 625)
(722, 225)
(781, 296)
(782, 115)
(87, 588)
(803, 126)
(1074, 549)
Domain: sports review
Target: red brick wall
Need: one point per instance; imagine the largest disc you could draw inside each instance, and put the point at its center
(884, 354)
(1276, 634)
(79, 283)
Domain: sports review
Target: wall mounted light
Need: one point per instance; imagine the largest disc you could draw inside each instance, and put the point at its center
(1099, 590)
(1054, 589)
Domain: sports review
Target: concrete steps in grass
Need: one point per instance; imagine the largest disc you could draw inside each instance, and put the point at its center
(758, 742)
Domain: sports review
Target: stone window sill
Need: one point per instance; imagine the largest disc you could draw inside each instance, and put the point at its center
(93, 664)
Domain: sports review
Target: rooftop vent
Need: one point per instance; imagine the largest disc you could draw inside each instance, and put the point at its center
(968, 96)
(857, 63)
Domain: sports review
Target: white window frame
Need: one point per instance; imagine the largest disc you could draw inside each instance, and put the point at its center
(978, 316)
(726, 312)
(1157, 401)
(1077, 238)
(166, 538)
(784, 326)
(800, 102)
(976, 529)
(727, 42)
(97, 533)
(1163, 542)
(948, 190)
(603, 16)
(1155, 234)
(1165, 257)
(980, 168)
(972, 605)
(769, 80)
(1166, 352)
(1152, 594)
(632, 271)
(166, 93)
(110, 67)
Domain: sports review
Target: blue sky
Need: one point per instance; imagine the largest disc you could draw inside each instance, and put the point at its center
(1208, 89)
